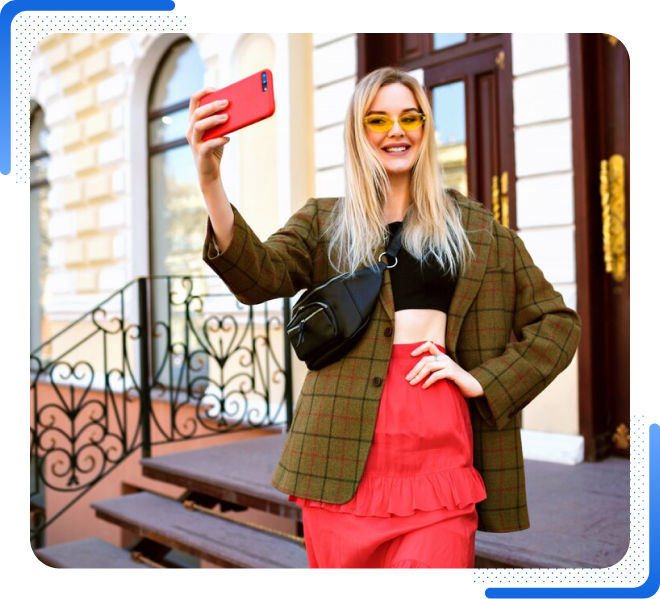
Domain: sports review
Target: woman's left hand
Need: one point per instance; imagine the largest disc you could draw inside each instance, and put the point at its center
(443, 368)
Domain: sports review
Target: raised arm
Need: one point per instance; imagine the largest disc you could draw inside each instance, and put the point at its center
(257, 271)
(254, 271)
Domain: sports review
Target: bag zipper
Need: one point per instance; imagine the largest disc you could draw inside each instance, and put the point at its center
(321, 286)
(323, 306)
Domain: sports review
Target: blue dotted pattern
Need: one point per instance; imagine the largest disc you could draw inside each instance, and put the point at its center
(30, 28)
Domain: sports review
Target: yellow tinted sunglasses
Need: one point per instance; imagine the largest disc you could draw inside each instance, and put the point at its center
(380, 123)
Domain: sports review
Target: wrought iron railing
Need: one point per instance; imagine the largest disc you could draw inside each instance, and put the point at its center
(196, 362)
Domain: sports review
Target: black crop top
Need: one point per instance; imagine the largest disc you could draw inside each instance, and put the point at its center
(419, 285)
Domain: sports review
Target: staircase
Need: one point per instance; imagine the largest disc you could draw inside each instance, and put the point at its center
(133, 374)
(206, 521)
(579, 515)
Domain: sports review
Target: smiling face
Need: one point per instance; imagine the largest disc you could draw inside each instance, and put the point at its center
(397, 149)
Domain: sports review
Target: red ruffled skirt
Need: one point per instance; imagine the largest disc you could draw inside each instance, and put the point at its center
(421, 457)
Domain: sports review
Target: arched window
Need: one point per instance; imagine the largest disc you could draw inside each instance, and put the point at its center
(176, 207)
(39, 215)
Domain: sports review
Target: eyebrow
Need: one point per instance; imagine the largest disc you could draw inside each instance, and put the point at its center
(383, 112)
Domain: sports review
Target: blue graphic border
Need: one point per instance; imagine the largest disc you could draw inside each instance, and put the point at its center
(23, 24)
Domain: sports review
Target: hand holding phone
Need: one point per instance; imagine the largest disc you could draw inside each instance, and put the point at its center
(250, 100)
(207, 155)
(215, 113)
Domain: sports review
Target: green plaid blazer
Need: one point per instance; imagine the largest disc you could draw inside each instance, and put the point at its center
(503, 292)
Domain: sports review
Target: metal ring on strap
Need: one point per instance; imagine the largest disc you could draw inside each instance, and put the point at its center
(396, 260)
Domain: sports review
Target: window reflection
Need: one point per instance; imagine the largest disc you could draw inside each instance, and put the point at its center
(38, 132)
(39, 240)
(445, 40)
(449, 116)
(181, 72)
(178, 214)
(168, 127)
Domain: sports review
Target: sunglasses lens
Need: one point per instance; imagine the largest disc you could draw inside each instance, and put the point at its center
(411, 121)
(379, 123)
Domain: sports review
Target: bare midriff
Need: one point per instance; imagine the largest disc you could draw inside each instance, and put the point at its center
(420, 325)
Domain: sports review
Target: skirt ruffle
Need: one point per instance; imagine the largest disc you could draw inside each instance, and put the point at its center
(404, 495)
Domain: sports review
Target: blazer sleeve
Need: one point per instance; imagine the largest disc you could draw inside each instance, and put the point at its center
(547, 333)
(257, 271)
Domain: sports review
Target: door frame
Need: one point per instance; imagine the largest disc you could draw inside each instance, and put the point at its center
(585, 80)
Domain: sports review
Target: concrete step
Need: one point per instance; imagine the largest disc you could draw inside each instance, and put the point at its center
(236, 472)
(222, 542)
(87, 553)
(579, 516)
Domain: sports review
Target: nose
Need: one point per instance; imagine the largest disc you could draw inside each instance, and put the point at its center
(396, 129)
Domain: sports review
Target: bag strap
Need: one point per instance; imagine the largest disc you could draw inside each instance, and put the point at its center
(394, 244)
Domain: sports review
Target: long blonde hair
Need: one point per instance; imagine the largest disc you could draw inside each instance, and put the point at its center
(433, 224)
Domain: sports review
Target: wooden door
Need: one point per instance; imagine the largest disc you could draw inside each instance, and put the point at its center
(600, 80)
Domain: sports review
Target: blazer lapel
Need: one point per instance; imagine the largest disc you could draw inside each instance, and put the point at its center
(477, 223)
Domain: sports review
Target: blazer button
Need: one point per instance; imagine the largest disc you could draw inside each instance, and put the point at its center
(388, 331)
(377, 381)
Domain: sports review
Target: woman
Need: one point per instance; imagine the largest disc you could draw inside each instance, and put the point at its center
(380, 454)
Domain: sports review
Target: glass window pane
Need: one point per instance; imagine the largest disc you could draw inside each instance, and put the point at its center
(178, 214)
(39, 246)
(449, 116)
(39, 241)
(169, 127)
(39, 169)
(181, 74)
(38, 145)
(444, 40)
(38, 132)
(178, 218)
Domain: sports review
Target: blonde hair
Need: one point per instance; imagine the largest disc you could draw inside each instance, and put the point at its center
(433, 224)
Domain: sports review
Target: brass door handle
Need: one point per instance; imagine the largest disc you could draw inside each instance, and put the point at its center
(500, 198)
(613, 204)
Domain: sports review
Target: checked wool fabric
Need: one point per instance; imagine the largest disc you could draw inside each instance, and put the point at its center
(506, 325)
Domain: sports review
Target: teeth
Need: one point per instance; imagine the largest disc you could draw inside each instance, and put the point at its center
(396, 150)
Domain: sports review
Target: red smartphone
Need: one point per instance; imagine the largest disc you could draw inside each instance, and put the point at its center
(250, 100)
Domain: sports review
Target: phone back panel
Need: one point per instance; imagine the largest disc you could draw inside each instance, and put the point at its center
(248, 103)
